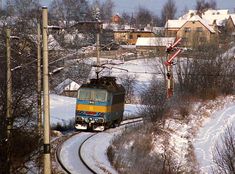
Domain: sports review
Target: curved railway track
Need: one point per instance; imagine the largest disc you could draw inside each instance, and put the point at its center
(80, 156)
(62, 154)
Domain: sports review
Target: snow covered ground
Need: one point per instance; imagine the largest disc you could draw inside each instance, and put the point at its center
(211, 132)
(207, 121)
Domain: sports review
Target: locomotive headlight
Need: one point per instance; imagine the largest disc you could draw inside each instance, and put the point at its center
(100, 120)
(80, 118)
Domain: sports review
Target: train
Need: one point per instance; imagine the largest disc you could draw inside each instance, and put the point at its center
(100, 104)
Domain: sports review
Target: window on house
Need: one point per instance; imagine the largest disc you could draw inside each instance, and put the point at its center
(199, 29)
(187, 29)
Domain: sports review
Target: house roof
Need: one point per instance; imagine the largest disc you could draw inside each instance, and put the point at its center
(175, 23)
(155, 41)
(216, 12)
(67, 84)
(132, 31)
(53, 44)
(233, 18)
(203, 22)
(219, 16)
(188, 15)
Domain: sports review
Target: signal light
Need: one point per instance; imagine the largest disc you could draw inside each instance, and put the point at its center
(168, 75)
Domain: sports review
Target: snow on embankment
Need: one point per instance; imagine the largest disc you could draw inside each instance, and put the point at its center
(62, 109)
(189, 141)
(211, 131)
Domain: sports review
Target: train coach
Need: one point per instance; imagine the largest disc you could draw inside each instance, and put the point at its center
(100, 104)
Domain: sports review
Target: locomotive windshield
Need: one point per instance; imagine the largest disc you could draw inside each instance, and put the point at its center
(85, 94)
(91, 94)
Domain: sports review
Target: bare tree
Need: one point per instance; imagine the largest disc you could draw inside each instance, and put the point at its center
(143, 17)
(23, 66)
(202, 5)
(154, 101)
(207, 74)
(69, 11)
(129, 82)
(168, 11)
(105, 9)
(224, 153)
(26, 15)
(126, 18)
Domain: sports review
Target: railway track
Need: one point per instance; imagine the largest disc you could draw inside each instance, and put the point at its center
(77, 146)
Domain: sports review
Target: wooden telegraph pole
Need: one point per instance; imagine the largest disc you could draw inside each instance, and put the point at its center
(46, 104)
(39, 102)
(9, 100)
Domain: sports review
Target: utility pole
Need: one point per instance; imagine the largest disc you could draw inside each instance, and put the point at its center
(98, 46)
(46, 104)
(39, 102)
(9, 100)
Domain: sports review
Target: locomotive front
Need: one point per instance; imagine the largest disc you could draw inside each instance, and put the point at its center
(97, 107)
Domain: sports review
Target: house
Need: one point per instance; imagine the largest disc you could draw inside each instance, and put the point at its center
(211, 16)
(53, 44)
(173, 26)
(116, 19)
(156, 44)
(160, 31)
(231, 25)
(68, 88)
(211, 24)
(130, 37)
(216, 17)
(196, 31)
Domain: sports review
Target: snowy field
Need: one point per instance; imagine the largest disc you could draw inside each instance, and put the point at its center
(211, 132)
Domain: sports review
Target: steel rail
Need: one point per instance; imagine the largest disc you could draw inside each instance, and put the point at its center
(80, 155)
(132, 120)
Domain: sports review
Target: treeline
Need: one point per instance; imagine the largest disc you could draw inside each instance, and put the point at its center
(67, 12)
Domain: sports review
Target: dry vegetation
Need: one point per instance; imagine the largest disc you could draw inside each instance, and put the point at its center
(155, 147)
(168, 144)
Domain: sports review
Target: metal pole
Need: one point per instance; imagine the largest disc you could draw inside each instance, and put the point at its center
(39, 105)
(98, 47)
(9, 99)
(98, 53)
(46, 104)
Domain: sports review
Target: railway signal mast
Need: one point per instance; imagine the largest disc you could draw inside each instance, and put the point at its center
(169, 65)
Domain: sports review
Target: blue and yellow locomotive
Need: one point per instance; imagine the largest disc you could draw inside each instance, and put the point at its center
(100, 104)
